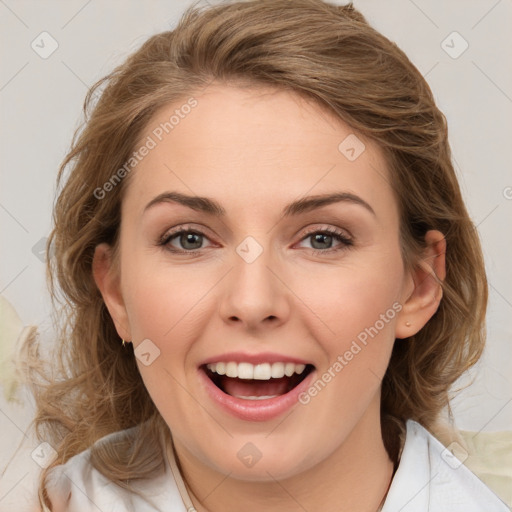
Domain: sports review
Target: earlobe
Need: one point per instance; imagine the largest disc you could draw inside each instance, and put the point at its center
(108, 282)
(420, 305)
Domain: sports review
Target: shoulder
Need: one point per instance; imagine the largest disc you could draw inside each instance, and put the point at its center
(430, 478)
(77, 486)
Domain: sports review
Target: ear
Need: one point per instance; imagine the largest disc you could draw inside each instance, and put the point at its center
(108, 282)
(424, 287)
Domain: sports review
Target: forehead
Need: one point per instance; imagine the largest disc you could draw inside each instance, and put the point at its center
(255, 147)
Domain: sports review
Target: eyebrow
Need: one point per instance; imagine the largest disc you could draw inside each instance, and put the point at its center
(303, 205)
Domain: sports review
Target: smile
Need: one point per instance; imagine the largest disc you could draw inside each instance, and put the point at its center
(255, 392)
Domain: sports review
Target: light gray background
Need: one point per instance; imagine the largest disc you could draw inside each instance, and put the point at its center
(41, 102)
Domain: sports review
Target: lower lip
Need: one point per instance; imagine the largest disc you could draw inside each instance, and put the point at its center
(255, 410)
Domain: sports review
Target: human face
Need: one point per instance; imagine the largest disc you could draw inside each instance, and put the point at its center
(260, 286)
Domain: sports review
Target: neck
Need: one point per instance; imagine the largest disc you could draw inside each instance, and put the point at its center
(355, 477)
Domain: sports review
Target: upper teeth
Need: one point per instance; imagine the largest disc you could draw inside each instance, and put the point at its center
(263, 371)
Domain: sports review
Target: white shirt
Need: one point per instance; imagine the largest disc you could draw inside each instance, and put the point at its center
(428, 479)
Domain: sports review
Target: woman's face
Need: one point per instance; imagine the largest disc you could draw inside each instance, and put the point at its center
(270, 278)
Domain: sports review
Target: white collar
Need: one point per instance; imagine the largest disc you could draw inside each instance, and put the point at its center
(430, 479)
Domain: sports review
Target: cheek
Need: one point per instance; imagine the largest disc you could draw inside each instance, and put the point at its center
(162, 300)
(166, 305)
(353, 313)
(170, 306)
(350, 299)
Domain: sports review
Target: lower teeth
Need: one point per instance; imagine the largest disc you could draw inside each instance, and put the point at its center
(265, 397)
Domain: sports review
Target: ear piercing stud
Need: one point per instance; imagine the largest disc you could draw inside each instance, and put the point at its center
(408, 324)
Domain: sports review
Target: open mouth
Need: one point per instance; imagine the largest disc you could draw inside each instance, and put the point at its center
(260, 382)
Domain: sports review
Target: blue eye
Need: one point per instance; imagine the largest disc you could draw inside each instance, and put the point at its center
(322, 240)
(190, 241)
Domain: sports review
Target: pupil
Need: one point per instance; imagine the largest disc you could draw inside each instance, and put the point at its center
(189, 238)
(321, 237)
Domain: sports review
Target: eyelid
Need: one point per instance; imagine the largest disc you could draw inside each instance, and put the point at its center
(187, 226)
(330, 229)
(344, 237)
(164, 240)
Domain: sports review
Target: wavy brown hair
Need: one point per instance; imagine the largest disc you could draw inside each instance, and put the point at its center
(326, 53)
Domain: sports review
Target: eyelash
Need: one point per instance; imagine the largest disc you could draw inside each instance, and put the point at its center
(340, 236)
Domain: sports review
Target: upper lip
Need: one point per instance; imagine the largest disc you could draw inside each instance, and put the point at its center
(262, 357)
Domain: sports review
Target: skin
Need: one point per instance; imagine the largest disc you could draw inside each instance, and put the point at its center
(254, 151)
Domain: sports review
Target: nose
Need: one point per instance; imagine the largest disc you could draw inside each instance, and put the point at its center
(255, 294)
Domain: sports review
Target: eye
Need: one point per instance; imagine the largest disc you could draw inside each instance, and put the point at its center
(183, 240)
(322, 240)
(190, 241)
